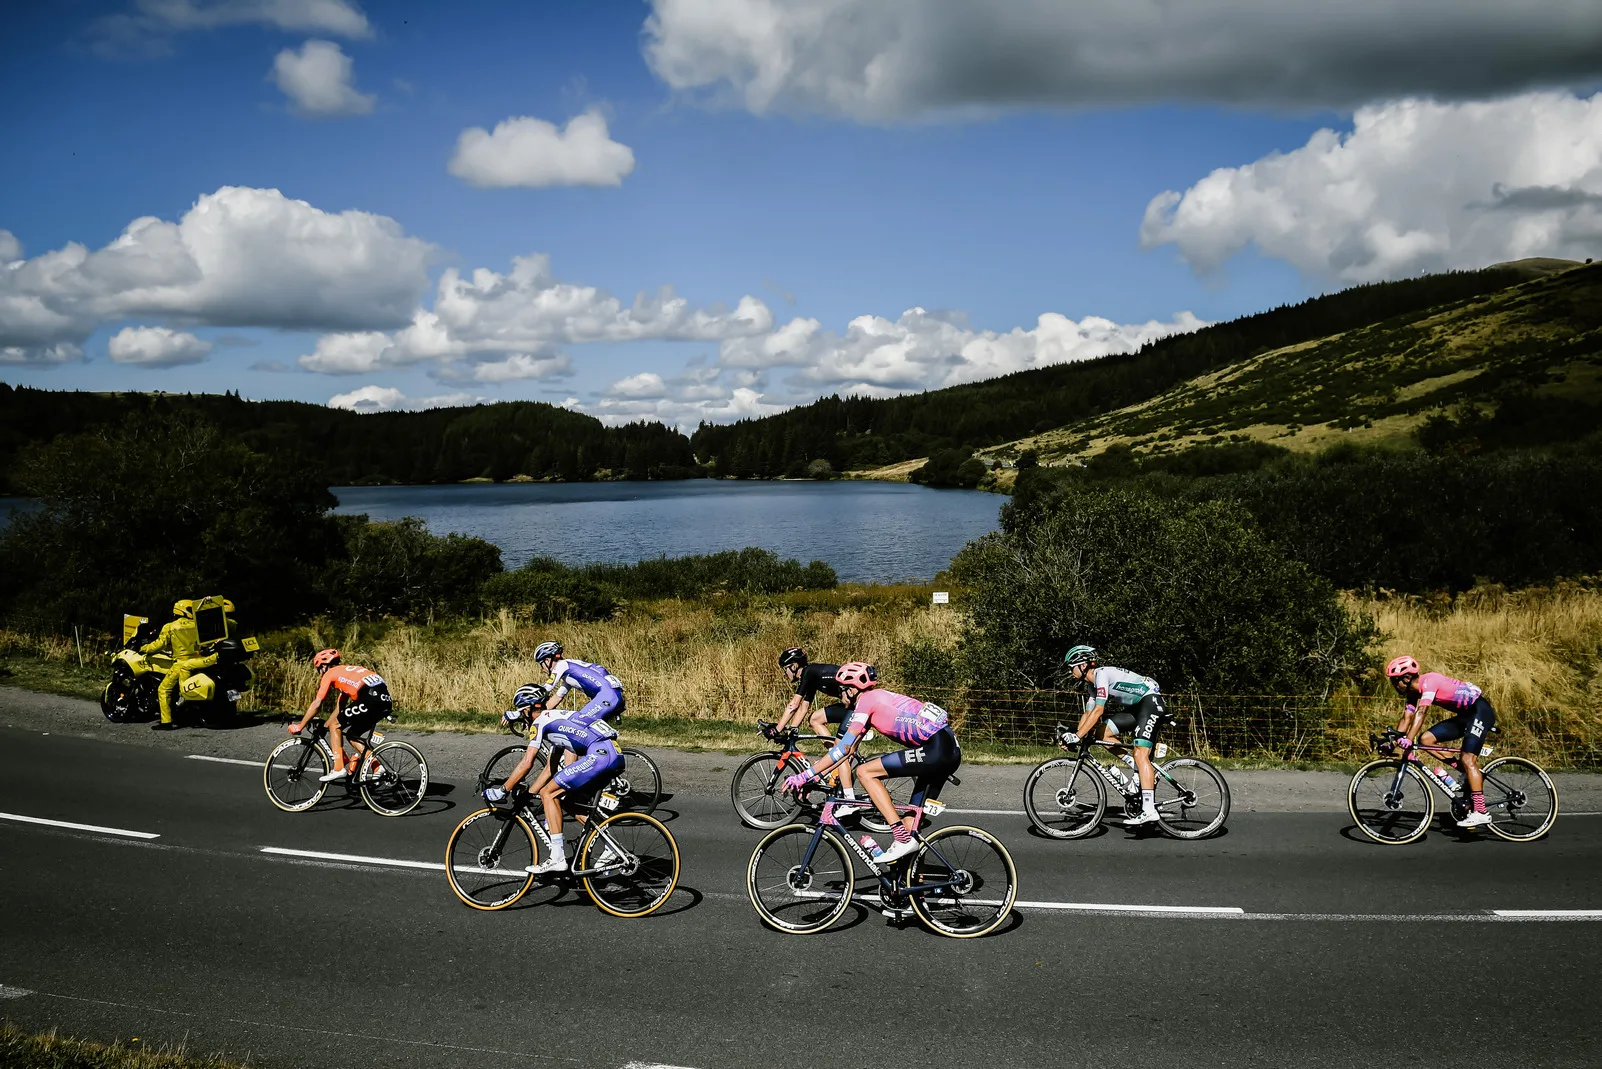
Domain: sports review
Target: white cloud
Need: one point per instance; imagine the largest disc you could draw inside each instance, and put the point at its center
(320, 81)
(10, 247)
(389, 399)
(1416, 186)
(240, 257)
(895, 59)
(156, 347)
(533, 153)
(41, 356)
(512, 325)
(148, 28)
(646, 384)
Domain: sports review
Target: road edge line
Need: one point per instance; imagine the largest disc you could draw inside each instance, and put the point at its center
(80, 827)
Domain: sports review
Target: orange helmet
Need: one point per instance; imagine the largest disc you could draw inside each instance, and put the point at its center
(1401, 666)
(858, 675)
(325, 660)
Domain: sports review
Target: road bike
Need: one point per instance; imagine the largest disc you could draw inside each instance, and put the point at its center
(1066, 797)
(960, 882)
(1391, 800)
(638, 786)
(628, 862)
(391, 776)
(757, 789)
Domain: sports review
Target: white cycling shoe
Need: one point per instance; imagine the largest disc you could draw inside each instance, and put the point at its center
(337, 774)
(1145, 816)
(549, 867)
(850, 808)
(1475, 820)
(897, 851)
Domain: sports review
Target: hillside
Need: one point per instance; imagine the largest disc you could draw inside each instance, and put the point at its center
(500, 441)
(860, 433)
(1522, 365)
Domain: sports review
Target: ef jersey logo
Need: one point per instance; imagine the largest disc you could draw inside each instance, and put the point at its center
(914, 756)
(1477, 728)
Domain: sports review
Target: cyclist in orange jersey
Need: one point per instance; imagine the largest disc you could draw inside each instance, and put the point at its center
(361, 701)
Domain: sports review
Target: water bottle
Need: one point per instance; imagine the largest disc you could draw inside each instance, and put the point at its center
(1127, 759)
(1446, 779)
(871, 845)
(1124, 782)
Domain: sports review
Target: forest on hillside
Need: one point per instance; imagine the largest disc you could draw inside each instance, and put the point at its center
(499, 441)
(855, 433)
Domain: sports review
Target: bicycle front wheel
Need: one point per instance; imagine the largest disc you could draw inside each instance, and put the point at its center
(758, 794)
(1520, 798)
(394, 779)
(1065, 798)
(793, 893)
(975, 882)
(1388, 808)
(292, 775)
(486, 857)
(500, 766)
(640, 784)
(635, 861)
(1192, 799)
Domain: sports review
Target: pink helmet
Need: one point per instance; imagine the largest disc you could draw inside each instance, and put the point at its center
(858, 675)
(325, 659)
(1401, 666)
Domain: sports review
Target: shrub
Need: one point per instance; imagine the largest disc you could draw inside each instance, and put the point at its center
(747, 571)
(925, 666)
(549, 595)
(950, 468)
(1193, 596)
(397, 568)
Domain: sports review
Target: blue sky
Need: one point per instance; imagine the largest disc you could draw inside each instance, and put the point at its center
(766, 163)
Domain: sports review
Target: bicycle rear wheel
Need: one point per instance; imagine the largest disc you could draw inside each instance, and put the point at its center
(1065, 798)
(982, 882)
(639, 862)
(796, 898)
(1521, 799)
(486, 856)
(640, 784)
(1192, 799)
(394, 779)
(1389, 810)
(758, 794)
(292, 775)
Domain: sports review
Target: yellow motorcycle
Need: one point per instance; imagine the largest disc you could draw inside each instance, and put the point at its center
(209, 696)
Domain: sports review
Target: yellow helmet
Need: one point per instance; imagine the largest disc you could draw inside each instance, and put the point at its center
(185, 608)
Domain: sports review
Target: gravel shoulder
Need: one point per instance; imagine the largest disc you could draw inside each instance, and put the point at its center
(457, 756)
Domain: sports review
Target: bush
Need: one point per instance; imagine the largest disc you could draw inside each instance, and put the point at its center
(397, 568)
(1192, 596)
(924, 665)
(950, 468)
(549, 595)
(745, 571)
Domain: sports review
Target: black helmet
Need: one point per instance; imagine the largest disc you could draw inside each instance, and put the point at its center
(793, 655)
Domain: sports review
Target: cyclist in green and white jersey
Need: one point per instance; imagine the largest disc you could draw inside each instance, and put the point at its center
(1136, 712)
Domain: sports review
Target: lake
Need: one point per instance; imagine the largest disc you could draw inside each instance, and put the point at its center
(868, 531)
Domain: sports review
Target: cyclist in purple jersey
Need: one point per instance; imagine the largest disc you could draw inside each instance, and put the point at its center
(596, 761)
(601, 687)
(1471, 720)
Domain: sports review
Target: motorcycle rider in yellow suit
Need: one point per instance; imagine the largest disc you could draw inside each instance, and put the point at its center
(179, 638)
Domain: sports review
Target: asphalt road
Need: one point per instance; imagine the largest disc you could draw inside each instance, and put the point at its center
(1343, 952)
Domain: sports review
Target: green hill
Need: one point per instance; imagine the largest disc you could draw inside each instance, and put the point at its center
(1517, 366)
(857, 433)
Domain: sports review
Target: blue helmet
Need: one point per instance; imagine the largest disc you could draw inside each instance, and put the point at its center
(548, 650)
(529, 694)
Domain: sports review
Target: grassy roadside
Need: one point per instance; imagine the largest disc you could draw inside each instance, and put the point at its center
(20, 1049)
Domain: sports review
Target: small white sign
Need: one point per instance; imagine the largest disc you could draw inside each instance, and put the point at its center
(942, 597)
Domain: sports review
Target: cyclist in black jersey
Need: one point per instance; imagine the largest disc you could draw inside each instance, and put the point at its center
(809, 681)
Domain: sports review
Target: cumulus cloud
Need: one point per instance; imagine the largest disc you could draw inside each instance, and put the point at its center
(156, 347)
(389, 399)
(874, 357)
(240, 257)
(881, 60)
(147, 28)
(320, 81)
(10, 247)
(1416, 186)
(529, 152)
(494, 327)
(41, 356)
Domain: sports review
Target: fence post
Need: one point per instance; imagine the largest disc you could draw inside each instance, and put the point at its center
(78, 641)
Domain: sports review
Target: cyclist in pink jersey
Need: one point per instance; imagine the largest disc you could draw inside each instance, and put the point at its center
(932, 753)
(1471, 719)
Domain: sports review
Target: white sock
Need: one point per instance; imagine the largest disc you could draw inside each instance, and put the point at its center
(851, 793)
(1148, 800)
(558, 847)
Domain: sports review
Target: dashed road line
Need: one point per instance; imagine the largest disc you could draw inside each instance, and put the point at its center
(1102, 907)
(222, 760)
(6, 991)
(357, 859)
(18, 817)
(1554, 914)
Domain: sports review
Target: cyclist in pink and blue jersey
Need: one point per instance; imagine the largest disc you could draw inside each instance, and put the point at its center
(1471, 719)
(932, 753)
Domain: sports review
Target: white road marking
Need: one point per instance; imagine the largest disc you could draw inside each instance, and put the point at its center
(80, 827)
(223, 760)
(991, 812)
(652, 1065)
(1593, 914)
(1097, 907)
(13, 992)
(359, 859)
